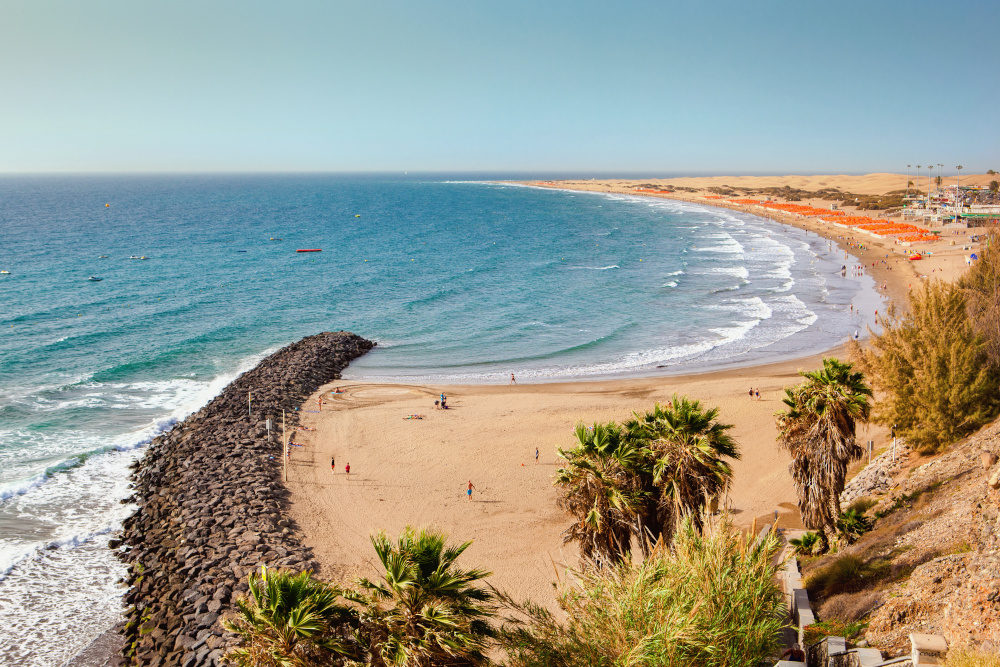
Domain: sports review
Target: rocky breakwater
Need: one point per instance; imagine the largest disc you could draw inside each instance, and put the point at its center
(210, 506)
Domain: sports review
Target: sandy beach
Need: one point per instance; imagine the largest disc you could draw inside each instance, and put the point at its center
(944, 259)
(416, 471)
(410, 471)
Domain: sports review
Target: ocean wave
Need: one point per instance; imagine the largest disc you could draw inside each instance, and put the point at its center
(671, 283)
(192, 400)
(738, 271)
(679, 272)
(35, 550)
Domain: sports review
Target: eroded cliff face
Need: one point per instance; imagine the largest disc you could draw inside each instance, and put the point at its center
(210, 506)
(932, 562)
(956, 514)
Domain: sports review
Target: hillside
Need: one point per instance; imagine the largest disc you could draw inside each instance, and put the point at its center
(931, 563)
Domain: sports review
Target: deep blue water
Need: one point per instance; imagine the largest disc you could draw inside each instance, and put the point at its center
(457, 281)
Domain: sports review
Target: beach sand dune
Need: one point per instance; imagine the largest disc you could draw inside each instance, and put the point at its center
(416, 471)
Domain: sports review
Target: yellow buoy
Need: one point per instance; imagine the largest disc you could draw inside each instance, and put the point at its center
(107, 206)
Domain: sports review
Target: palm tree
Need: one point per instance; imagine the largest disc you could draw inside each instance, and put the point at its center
(687, 446)
(423, 610)
(818, 429)
(601, 488)
(289, 620)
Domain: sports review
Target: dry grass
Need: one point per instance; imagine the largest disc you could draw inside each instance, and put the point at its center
(850, 607)
(967, 658)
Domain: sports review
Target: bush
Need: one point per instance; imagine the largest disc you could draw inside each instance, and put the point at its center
(805, 545)
(932, 370)
(709, 601)
(852, 524)
(815, 632)
(862, 505)
(844, 574)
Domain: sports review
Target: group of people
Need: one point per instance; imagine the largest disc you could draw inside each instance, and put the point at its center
(442, 403)
(754, 393)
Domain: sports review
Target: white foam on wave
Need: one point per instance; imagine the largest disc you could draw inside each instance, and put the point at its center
(737, 271)
(596, 268)
(679, 272)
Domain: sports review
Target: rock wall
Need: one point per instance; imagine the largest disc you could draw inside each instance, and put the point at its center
(210, 507)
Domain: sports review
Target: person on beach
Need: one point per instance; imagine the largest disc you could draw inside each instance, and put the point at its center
(333, 464)
(512, 380)
(536, 454)
(319, 400)
(347, 469)
(468, 491)
(757, 393)
(751, 393)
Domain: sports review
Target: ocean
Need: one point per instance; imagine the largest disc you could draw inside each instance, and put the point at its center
(458, 281)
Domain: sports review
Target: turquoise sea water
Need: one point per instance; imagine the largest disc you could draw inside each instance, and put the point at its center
(458, 281)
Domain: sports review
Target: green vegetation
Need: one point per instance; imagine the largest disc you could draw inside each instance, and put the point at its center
(708, 601)
(635, 480)
(818, 430)
(288, 619)
(423, 610)
(805, 545)
(817, 631)
(932, 370)
(852, 524)
(994, 186)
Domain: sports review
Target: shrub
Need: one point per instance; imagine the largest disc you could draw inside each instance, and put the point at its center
(862, 505)
(843, 574)
(932, 370)
(805, 545)
(815, 632)
(709, 601)
(852, 524)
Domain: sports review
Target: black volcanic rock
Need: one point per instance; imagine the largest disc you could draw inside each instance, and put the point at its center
(211, 507)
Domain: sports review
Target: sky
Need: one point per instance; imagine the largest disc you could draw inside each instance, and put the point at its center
(543, 86)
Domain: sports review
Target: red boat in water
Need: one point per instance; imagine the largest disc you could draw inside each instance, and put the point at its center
(310, 250)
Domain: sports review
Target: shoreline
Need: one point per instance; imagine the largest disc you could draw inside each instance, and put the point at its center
(897, 284)
(409, 471)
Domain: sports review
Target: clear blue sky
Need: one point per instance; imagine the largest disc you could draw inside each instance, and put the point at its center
(657, 87)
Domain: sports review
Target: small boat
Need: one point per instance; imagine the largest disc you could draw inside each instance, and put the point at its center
(137, 257)
(95, 279)
(274, 238)
(102, 257)
(309, 250)
(357, 215)
(5, 271)
(241, 251)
